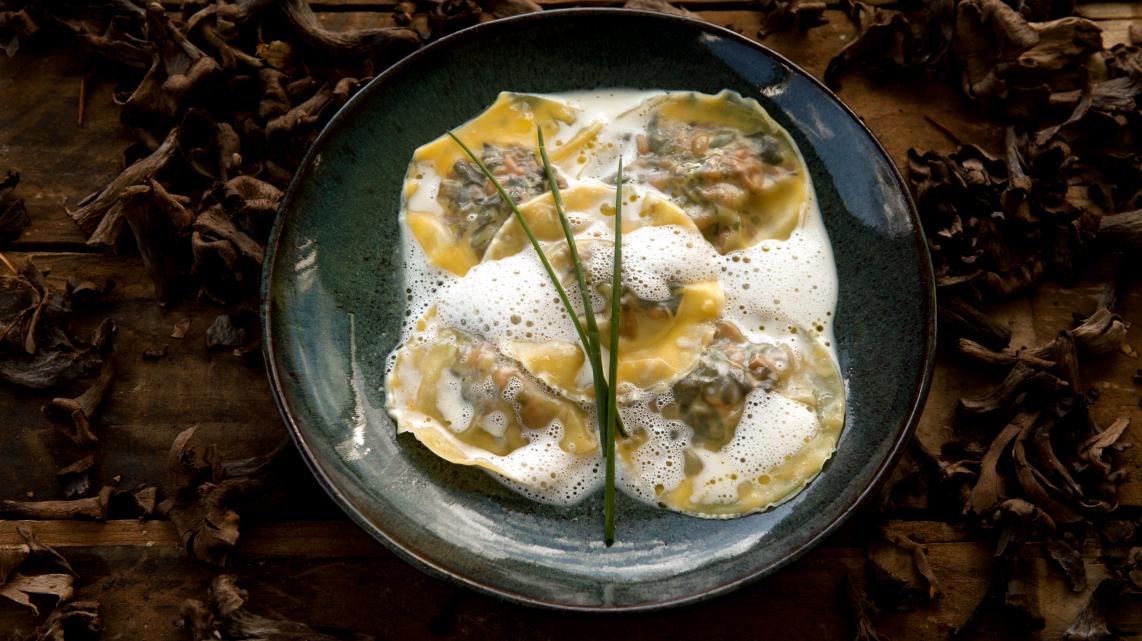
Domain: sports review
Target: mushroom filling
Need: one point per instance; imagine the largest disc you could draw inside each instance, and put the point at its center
(711, 398)
(474, 207)
(713, 172)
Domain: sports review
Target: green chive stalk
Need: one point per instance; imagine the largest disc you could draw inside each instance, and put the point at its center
(531, 237)
(594, 354)
(606, 402)
(612, 401)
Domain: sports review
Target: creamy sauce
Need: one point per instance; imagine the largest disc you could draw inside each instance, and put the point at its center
(781, 291)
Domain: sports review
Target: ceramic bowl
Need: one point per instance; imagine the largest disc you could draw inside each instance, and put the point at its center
(334, 298)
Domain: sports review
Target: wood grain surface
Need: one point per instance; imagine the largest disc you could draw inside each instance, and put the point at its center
(299, 557)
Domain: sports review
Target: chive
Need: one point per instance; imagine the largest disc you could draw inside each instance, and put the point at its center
(530, 236)
(612, 401)
(606, 403)
(594, 354)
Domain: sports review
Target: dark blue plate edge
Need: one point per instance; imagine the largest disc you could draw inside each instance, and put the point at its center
(921, 385)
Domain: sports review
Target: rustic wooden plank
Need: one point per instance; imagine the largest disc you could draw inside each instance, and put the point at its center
(149, 402)
(1116, 32)
(323, 539)
(40, 92)
(330, 574)
(314, 571)
(1110, 10)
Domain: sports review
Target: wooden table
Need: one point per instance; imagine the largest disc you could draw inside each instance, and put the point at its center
(304, 560)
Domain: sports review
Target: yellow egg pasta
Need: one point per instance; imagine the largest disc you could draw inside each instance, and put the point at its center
(726, 376)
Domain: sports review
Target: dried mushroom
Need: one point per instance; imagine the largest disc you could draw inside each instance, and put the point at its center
(207, 493)
(75, 621)
(13, 214)
(860, 609)
(225, 618)
(32, 570)
(110, 503)
(37, 347)
(786, 15)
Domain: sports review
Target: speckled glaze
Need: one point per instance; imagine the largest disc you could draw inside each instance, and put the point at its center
(334, 296)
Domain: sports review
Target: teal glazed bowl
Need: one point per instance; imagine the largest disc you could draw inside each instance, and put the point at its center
(334, 298)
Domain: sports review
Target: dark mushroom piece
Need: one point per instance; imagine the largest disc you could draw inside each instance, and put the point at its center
(81, 409)
(13, 213)
(225, 617)
(208, 491)
(94, 211)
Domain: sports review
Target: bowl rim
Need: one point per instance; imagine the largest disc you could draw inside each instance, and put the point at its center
(921, 387)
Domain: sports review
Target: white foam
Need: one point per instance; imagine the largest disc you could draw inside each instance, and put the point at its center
(507, 300)
(775, 291)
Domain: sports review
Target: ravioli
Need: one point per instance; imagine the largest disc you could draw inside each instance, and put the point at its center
(471, 406)
(721, 158)
(745, 430)
(455, 224)
(726, 377)
(660, 338)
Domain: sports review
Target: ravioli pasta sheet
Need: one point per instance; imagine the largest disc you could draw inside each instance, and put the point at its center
(727, 379)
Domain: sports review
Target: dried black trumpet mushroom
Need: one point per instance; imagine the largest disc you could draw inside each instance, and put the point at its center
(100, 214)
(290, 134)
(153, 237)
(1091, 624)
(989, 488)
(93, 508)
(110, 503)
(1068, 556)
(14, 26)
(223, 334)
(225, 618)
(179, 69)
(883, 45)
(37, 349)
(117, 44)
(31, 569)
(661, 6)
(965, 319)
(207, 492)
(1092, 449)
(449, 16)
(81, 409)
(225, 101)
(506, 8)
(787, 15)
(75, 479)
(13, 214)
(900, 575)
(382, 46)
(250, 203)
(978, 246)
(1056, 451)
(75, 621)
(1100, 333)
(212, 148)
(226, 258)
(1022, 380)
(856, 604)
(85, 293)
